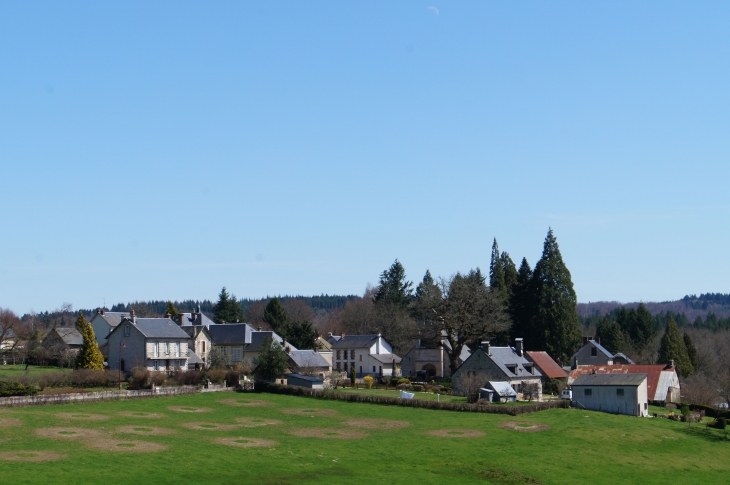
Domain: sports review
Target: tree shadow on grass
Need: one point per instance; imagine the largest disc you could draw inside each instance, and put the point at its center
(709, 434)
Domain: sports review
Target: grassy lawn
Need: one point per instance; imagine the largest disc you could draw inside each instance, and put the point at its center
(19, 370)
(578, 447)
(428, 396)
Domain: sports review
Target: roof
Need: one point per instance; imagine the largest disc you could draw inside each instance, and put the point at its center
(257, 339)
(70, 336)
(193, 358)
(230, 333)
(386, 358)
(654, 372)
(610, 380)
(308, 358)
(187, 319)
(113, 318)
(598, 346)
(353, 341)
(623, 356)
(159, 328)
(508, 356)
(548, 367)
(502, 388)
(306, 378)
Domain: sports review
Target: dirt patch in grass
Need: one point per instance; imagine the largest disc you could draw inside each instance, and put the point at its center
(141, 414)
(189, 409)
(310, 412)
(502, 477)
(30, 456)
(82, 416)
(377, 423)
(8, 422)
(456, 433)
(126, 446)
(68, 433)
(244, 402)
(144, 430)
(524, 426)
(243, 442)
(334, 433)
(210, 426)
(255, 422)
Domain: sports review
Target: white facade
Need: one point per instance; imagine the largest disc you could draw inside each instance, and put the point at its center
(620, 397)
(373, 358)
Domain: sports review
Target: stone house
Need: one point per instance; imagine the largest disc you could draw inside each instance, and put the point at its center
(240, 341)
(499, 364)
(158, 344)
(309, 362)
(368, 354)
(104, 322)
(199, 344)
(426, 360)
(612, 393)
(63, 339)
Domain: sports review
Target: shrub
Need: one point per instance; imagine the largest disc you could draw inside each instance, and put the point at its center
(8, 389)
(404, 380)
(188, 378)
(94, 378)
(140, 378)
(216, 376)
(157, 378)
(417, 387)
(368, 380)
(403, 387)
(232, 378)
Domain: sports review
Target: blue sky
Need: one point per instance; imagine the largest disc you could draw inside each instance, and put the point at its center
(163, 150)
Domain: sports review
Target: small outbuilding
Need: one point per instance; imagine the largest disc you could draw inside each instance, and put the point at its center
(498, 392)
(304, 381)
(612, 393)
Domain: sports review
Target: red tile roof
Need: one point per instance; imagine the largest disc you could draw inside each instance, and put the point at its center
(654, 371)
(548, 367)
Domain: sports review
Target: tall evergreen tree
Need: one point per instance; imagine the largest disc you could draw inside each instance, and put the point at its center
(301, 335)
(643, 328)
(227, 309)
(672, 347)
(691, 351)
(496, 270)
(394, 288)
(510, 275)
(271, 362)
(275, 316)
(555, 326)
(171, 309)
(89, 356)
(521, 305)
(610, 335)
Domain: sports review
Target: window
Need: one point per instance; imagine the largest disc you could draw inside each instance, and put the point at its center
(156, 365)
(594, 352)
(344, 366)
(338, 355)
(373, 368)
(177, 349)
(156, 350)
(360, 357)
(619, 392)
(646, 406)
(352, 354)
(588, 392)
(338, 366)
(167, 347)
(126, 330)
(203, 344)
(236, 354)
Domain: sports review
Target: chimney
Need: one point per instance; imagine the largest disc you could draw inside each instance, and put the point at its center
(168, 315)
(598, 340)
(671, 362)
(98, 312)
(329, 334)
(134, 317)
(342, 336)
(486, 347)
(518, 346)
(103, 312)
(593, 371)
(576, 363)
(585, 340)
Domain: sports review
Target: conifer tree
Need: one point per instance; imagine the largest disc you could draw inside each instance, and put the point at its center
(301, 335)
(496, 270)
(275, 316)
(610, 335)
(691, 350)
(89, 356)
(555, 325)
(643, 326)
(227, 309)
(272, 360)
(673, 347)
(510, 275)
(521, 305)
(394, 287)
(172, 310)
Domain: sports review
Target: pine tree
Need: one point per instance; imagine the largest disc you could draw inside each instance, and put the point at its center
(275, 316)
(643, 326)
(272, 360)
(171, 310)
(510, 275)
(89, 356)
(521, 305)
(301, 335)
(610, 335)
(556, 317)
(673, 348)
(691, 350)
(496, 270)
(227, 309)
(394, 288)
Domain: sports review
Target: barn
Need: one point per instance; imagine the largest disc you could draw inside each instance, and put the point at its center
(612, 393)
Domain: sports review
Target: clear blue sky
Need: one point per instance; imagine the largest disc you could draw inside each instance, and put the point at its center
(162, 150)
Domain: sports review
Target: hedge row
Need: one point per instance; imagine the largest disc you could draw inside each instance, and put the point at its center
(413, 403)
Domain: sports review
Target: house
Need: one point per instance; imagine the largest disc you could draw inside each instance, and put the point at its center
(63, 339)
(662, 380)
(309, 362)
(499, 364)
(368, 354)
(428, 359)
(199, 344)
(157, 344)
(240, 341)
(498, 392)
(612, 393)
(104, 322)
(196, 318)
(547, 366)
(592, 353)
(304, 381)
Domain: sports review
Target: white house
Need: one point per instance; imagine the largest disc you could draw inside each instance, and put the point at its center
(612, 393)
(368, 354)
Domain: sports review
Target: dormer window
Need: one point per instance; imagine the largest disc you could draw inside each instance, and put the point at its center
(528, 368)
(512, 368)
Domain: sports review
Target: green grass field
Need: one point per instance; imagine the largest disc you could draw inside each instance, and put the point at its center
(19, 370)
(578, 447)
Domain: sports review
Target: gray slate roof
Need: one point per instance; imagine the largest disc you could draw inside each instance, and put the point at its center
(70, 336)
(308, 358)
(257, 338)
(316, 380)
(386, 358)
(160, 328)
(623, 356)
(353, 341)
(193, 358)
(504, 356)
(609, 379)
(230, 333)
(114, 318)
(503, 389)
(187, 319)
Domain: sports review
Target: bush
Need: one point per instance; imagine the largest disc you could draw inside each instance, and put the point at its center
(8, 389)
(216, 376)
(139, 379)
(368, 380)
(232, 378)
(417, 387)
(188, 377)
(403, 380)
(403, 387)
